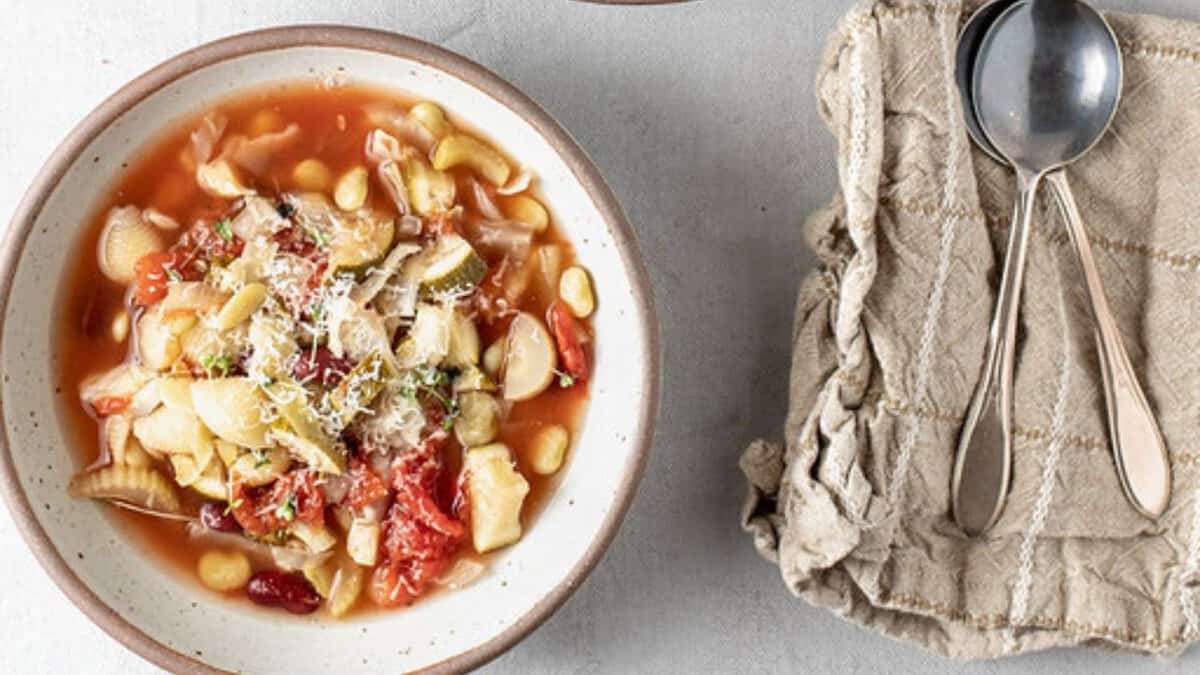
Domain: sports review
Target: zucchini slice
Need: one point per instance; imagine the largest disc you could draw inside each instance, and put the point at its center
(300, 431)
(360, 243)
(529, 358)
(142, 487)
(454, 267)
(361, 386)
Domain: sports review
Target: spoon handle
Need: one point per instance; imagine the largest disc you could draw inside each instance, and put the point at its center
(1138, 447)
(983, 461)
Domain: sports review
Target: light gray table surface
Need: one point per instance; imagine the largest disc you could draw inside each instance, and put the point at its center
(702, 118)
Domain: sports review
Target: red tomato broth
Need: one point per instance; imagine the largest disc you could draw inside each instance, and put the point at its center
(159, 176)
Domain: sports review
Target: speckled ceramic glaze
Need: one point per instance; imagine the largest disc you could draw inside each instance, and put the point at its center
(169, 619)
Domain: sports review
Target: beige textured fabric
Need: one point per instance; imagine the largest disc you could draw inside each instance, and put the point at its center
(889, 338)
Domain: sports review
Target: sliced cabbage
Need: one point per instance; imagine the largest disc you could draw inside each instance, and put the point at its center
(316, 538)
(382, 146)
(464, 341)
(258, 219)
(234, 408)
(377, 277)
(218, 179)
(123, 382)
(362, 542)
(347, 586)
(205, 137)
(428, 340)
(255, 154)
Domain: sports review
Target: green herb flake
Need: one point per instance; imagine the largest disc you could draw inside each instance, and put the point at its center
(565, 380)
(235, 504)
(224, 229)
(287, 510)
(317, 236)
(173, 274)
(260, 458)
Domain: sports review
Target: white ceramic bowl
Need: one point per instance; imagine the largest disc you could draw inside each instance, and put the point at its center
(172, 622)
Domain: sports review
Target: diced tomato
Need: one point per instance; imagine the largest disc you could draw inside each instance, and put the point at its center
(294, 496)
(151, 277)
(154, 271)
(570, 345)
(296, 241)
(365, 485)
(419, 537)
(111, 405)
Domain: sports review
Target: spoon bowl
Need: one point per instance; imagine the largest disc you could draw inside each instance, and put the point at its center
(1047, 82)
(969, 41)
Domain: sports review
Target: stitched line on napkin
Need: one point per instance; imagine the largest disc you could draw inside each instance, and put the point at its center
(934, 311)
(900, 408)
(1053, 235)
(1020, 598)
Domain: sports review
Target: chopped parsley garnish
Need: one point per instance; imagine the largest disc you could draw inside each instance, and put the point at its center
(287, 510)
(260, 458)
(216, 366)
(431, 381)
(237, 503)
(224, 229)
(317, 235)
(173, 274)
(565, 380)
(431, 377)
(452, 414)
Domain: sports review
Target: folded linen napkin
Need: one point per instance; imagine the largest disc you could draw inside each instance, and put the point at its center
(888, 344)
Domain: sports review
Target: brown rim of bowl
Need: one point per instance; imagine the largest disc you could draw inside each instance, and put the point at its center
(284, 37)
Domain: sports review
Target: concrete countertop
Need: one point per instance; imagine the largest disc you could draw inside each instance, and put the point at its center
(702, 118)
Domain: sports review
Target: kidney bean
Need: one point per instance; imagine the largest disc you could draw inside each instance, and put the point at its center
(321, 365)
(280, 589)
(216, 516)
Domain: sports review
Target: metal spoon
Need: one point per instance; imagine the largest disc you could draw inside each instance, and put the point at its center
(1138, 447)
(1065, 48)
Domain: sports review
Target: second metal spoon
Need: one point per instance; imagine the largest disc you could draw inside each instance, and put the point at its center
(1138, 447)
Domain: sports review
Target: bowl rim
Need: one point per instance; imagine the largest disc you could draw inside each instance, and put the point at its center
(388, 43)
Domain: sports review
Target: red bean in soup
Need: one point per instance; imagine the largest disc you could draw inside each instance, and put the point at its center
(330, 348)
